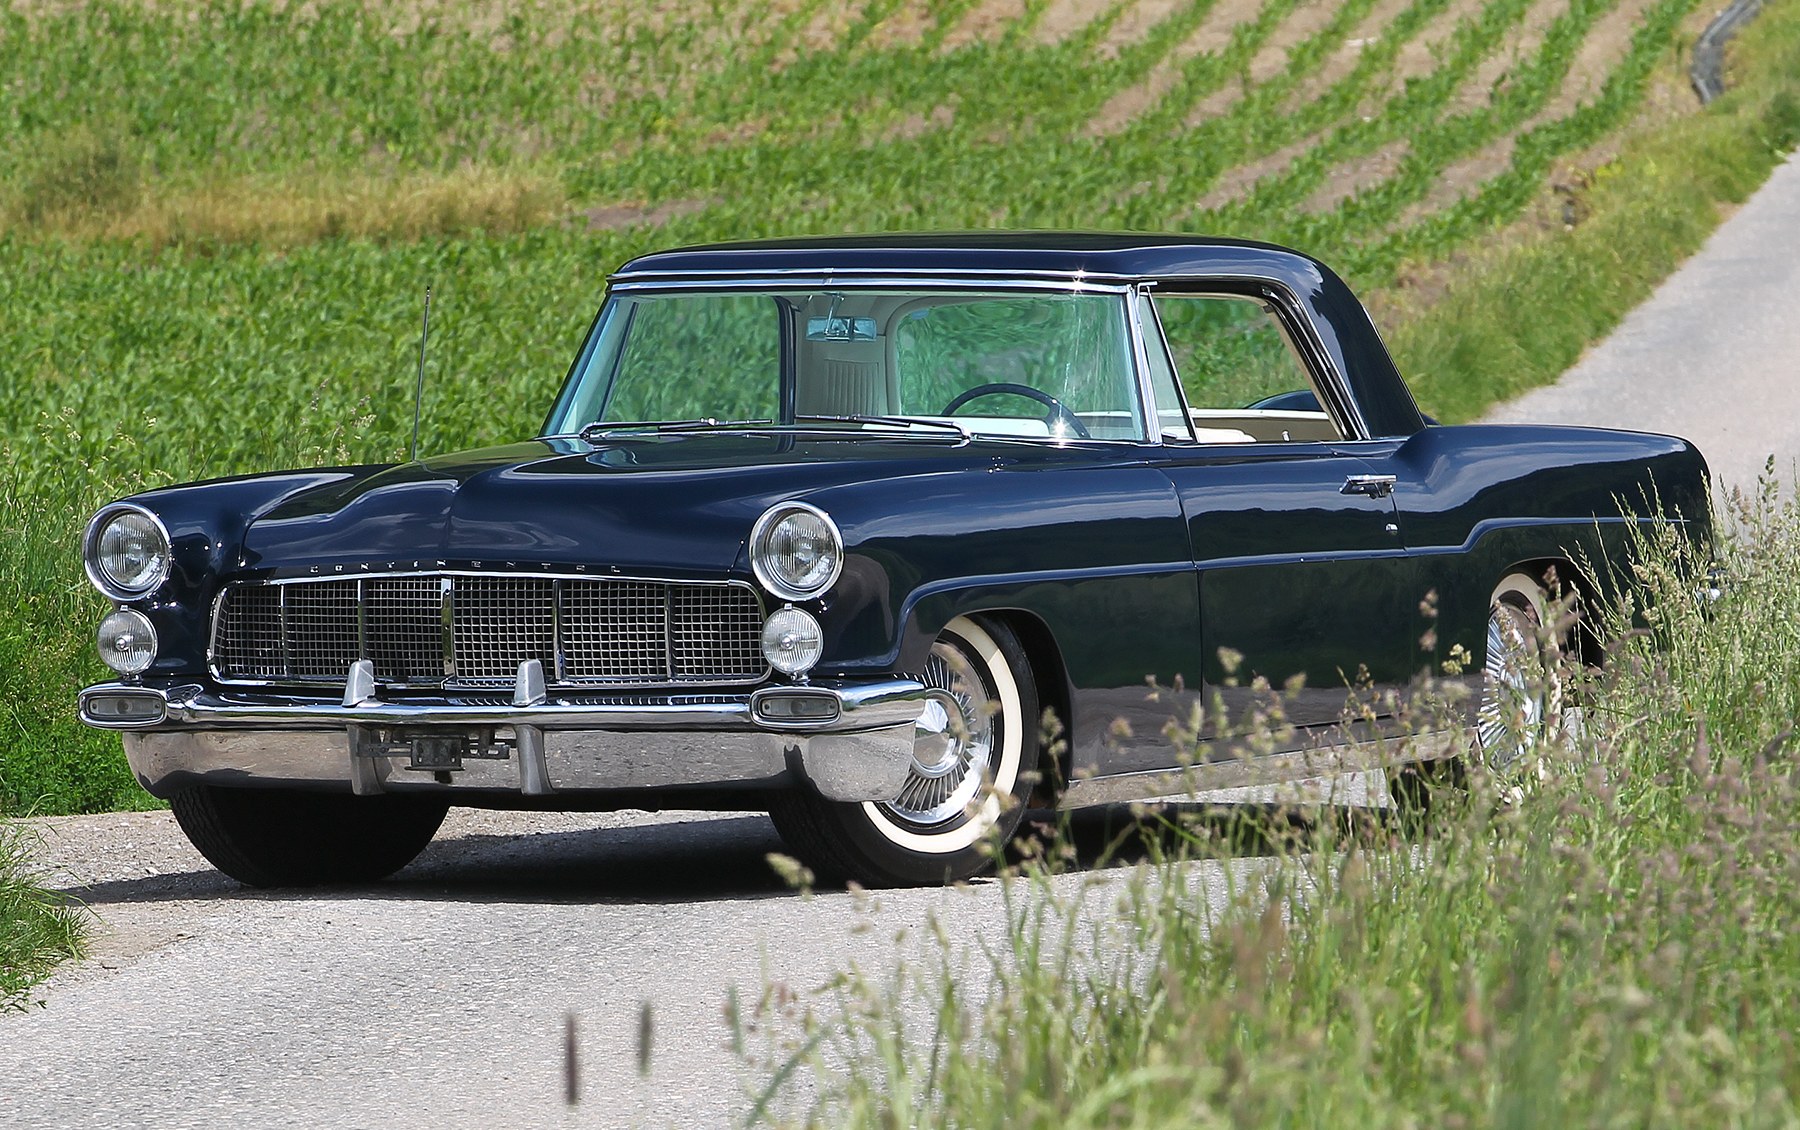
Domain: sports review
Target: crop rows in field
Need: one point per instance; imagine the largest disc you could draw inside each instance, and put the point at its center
(1335, 123)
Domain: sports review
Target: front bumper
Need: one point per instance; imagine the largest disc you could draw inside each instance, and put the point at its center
(852, 739)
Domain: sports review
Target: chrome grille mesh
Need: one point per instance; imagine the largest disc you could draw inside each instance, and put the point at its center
(457, 629)
(499, 622)
(404, 628)
(710, 629)
(321, 629)
(616, 632)
(253, 618)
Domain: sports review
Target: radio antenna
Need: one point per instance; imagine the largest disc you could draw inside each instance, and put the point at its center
(419, 391)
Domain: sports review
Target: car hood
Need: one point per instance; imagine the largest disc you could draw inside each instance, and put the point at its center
(675, 504)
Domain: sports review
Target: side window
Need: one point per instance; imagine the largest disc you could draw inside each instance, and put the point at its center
(1230, 353)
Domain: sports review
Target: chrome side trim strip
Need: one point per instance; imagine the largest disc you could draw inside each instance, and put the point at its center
(1238, 772)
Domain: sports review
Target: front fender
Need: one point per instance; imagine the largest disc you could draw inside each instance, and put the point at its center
(206, 523)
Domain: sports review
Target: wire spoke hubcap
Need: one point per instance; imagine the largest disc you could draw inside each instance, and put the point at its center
(1512, 707)
(953, 745)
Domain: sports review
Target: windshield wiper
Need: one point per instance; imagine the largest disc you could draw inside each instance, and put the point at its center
(705, 424)
(903, 422)
(594, 431)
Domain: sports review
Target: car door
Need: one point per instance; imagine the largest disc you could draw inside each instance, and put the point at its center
(1303, 575)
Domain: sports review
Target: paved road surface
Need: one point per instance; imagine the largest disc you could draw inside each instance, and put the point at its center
(439, 999)
(1714, 355)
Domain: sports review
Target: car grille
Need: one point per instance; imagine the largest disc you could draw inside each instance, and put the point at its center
(462, 630)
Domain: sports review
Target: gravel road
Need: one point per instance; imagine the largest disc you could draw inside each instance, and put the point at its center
(440, 998)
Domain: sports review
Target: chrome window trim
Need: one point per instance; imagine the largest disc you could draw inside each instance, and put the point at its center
(1302, 337)
(1290, 313)
(448, 682)
(1140, 350)
(812, 278)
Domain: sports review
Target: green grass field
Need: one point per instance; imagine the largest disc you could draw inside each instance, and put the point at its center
(221, 217)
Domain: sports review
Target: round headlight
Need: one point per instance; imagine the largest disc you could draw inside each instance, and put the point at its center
(127, 641)
(796, 550)
(126, 551)
(791, 640)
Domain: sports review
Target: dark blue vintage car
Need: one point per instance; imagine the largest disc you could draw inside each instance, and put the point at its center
(843, 528)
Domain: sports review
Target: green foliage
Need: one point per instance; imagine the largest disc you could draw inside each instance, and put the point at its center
(1601, 936)
(701, 355)
(1072, 347)
(127, 371)
(1228, 351)
(37, 929)
(1520, 314)
(79, 173)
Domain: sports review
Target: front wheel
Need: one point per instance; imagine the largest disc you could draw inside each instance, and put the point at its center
(282, 838)
(974, 750)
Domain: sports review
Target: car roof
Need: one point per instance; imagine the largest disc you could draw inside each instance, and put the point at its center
(1093, 255)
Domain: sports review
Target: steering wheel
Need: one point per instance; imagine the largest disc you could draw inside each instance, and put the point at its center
(1057, 410)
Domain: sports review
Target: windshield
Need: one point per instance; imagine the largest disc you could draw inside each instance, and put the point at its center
(1004, 363)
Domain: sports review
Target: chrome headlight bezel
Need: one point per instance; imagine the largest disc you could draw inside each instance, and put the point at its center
(771, 578)
(96, 571)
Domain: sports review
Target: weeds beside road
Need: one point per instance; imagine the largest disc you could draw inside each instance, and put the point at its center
(1601, 936)
(37, 929)
(223, 214)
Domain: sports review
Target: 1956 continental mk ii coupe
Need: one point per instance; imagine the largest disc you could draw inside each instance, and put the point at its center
(827, 527)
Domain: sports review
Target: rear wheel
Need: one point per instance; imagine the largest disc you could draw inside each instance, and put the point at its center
(1521, 687)
(1521, 701)
(974, 748)
(280, 838)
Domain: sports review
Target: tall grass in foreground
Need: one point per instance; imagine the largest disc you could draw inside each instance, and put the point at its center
(1605, 938)
(37, 930)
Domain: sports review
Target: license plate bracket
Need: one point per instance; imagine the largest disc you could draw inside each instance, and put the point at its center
(436, 753)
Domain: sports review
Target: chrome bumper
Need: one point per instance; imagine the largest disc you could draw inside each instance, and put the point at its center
(853, 740)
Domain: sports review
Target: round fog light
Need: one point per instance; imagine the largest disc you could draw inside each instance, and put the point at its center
(791, 640)
(127, 641)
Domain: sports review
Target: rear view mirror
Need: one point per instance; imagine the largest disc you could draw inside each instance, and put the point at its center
(840, 329)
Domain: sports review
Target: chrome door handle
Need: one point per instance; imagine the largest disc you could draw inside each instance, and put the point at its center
(1375, 486)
